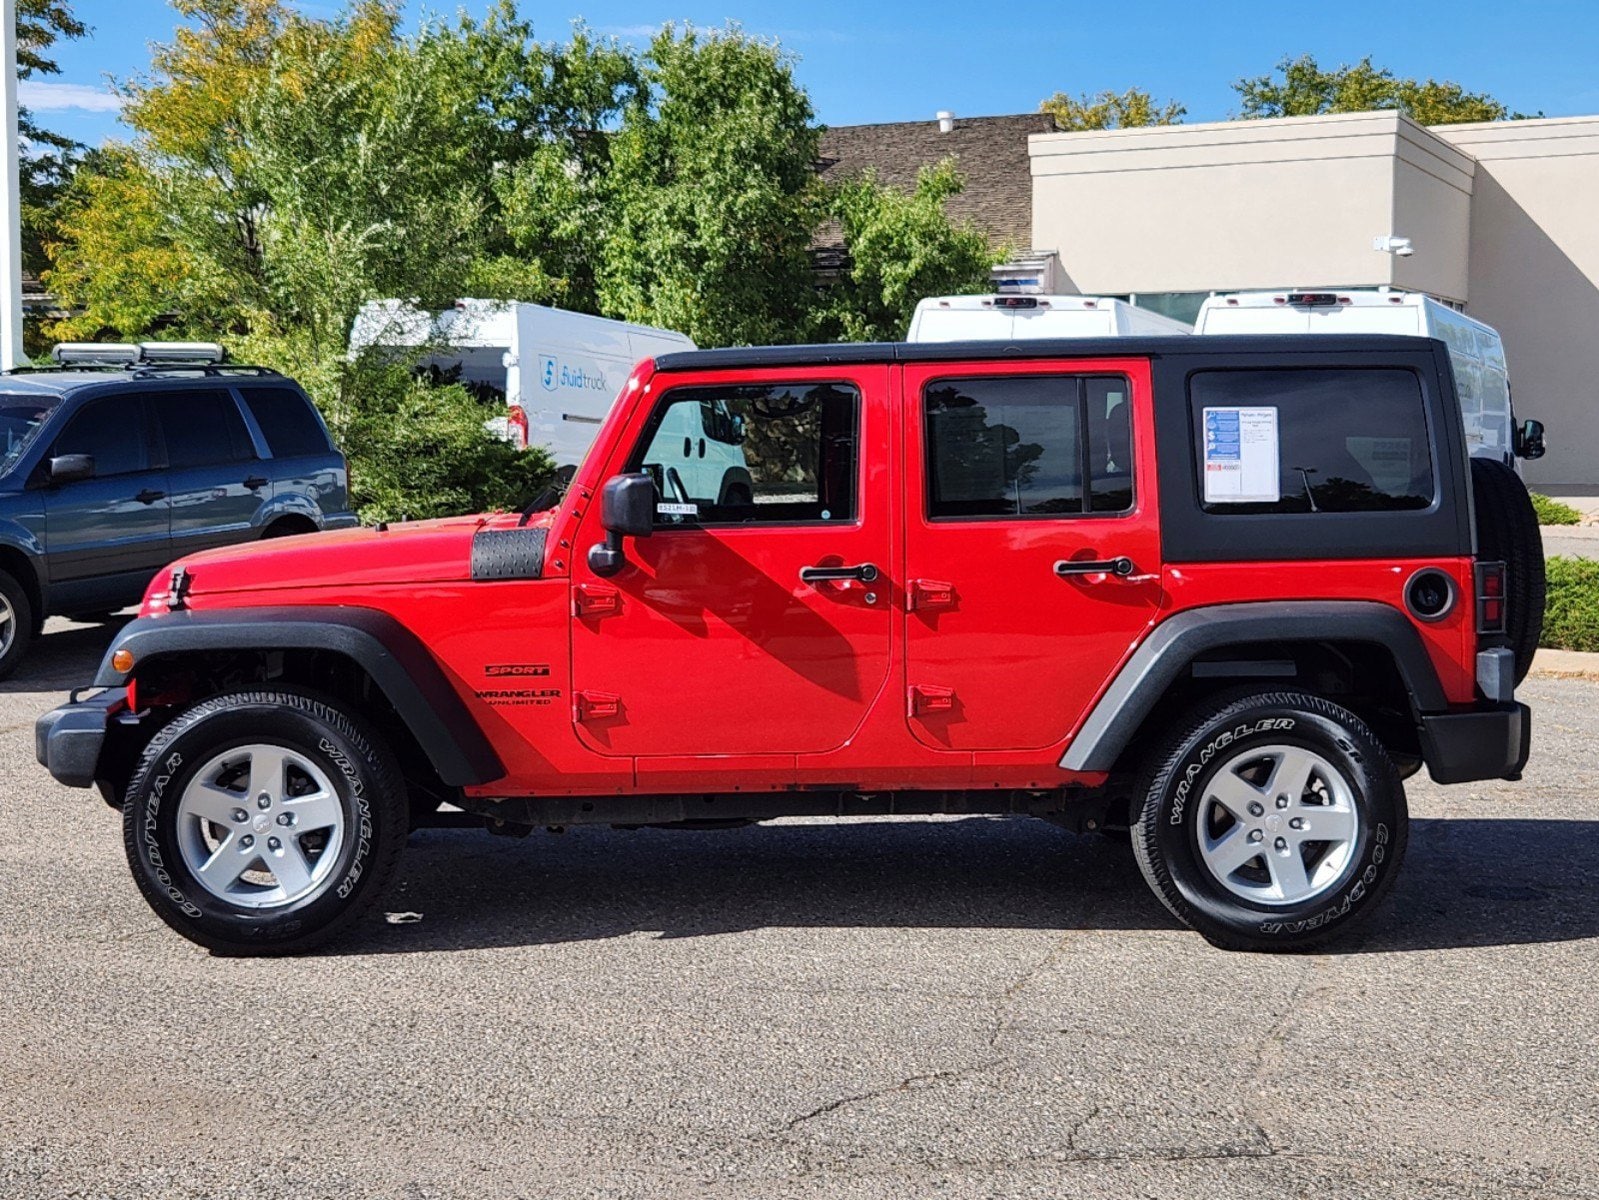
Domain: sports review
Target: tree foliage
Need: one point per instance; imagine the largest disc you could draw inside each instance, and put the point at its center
(1301, 87)
(47, 158)
(285, 169)
(1132, 109)
(901, 249)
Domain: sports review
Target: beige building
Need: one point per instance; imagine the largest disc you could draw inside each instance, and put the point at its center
(1503, 218)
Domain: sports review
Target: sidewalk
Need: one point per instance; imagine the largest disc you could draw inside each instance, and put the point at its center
(1573, 541)
(1565, 664)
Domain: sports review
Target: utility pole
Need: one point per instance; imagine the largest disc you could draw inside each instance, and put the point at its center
(11, 352)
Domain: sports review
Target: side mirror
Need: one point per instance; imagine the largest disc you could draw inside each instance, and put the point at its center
(69, 468)
(627, 509)
(1529, 440)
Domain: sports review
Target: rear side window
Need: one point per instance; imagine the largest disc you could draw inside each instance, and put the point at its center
(201, 428)
(1321, 440)
(112, 431)
(287, 421)
(1023, 446)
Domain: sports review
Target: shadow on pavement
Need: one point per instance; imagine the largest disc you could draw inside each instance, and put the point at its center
(64, 657)
(1466, 883)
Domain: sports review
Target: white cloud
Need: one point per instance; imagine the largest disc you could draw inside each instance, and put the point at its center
(42, 96)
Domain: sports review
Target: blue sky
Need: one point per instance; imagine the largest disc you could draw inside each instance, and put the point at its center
(895, 60)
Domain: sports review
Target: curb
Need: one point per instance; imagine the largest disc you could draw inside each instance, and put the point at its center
(1565, 664)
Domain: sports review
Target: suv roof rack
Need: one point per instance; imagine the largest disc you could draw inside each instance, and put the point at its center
(122, 354)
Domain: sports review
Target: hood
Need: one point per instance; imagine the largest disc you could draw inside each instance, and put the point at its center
(406, 552)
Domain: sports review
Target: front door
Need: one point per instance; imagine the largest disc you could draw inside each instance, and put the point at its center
(1032, 545)
(107, 535)
(755, 619)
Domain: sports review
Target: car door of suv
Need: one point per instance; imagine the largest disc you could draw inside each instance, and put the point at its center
(217, 486)
(1032, 545)
(755, 619)
(107, 536)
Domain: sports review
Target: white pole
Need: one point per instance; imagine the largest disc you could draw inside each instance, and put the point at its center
(11, 352)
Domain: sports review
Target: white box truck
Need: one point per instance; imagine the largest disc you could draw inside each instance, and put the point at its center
(1475, 349)
(1009, 317)
(557, 373)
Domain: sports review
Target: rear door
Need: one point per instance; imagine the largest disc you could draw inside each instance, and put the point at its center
(218, 488)
(1032, 545)
(107, 535)
(724, 635)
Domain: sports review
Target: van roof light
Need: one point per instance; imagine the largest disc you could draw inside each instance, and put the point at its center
(1313, 299)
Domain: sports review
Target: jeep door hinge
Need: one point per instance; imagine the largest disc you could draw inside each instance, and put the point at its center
(927, 698)
(591, 706)
(595, 600)
(930, 593)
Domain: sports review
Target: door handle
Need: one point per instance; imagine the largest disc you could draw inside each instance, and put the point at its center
(1121, 567)
(256, 481)
(150, 496)
(864, 573)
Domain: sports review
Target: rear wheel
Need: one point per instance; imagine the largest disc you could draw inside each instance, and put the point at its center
(16, 623)
(1271, 821)
(1507, 532)
(262, 821)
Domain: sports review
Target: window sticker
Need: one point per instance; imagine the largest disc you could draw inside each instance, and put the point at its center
(677, 510)
(1241, 453)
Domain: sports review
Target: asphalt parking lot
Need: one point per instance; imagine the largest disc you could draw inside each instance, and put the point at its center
(878, 1008)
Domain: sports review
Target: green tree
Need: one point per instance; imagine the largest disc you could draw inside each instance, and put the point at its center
(712, 193)
(1132, 109)
(901, 248)
(1300, 87)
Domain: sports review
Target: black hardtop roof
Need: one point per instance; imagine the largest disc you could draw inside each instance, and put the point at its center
(1184, 345)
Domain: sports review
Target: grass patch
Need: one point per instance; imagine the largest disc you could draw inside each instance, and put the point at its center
(1571, 618)
(1552, 512)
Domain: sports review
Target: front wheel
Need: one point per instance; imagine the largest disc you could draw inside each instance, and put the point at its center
(262, 821)
(1271, 821)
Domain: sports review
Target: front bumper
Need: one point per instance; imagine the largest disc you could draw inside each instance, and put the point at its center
(68, 740)
(1486, 743)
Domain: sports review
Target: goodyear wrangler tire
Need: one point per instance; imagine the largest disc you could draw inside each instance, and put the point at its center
(262, 821)
(1507, 532)
(1271, 821)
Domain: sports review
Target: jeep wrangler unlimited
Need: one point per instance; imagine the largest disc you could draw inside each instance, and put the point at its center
(1225, 593)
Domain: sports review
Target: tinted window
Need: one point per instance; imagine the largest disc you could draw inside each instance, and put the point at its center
(1314, 440)
(20, 418)
(112, 431)
(201, 428)
(737, 455)
(287, 421)
(1022, 446)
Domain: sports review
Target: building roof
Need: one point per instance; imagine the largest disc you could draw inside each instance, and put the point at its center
(990, 153)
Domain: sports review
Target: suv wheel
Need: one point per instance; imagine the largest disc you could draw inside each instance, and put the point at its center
(16, 623)
(1271, 821)
(261, 821)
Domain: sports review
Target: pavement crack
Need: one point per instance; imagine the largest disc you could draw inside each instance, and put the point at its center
(910, 1082)
(1007, 997)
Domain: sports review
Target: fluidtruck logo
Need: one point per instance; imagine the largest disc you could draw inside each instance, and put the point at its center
(555, 375)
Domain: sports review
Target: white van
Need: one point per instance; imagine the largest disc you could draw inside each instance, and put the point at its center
(1475, 349)
(1018, 318)
(556, 373)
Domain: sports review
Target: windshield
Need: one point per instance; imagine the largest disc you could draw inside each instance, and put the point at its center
(20, 419)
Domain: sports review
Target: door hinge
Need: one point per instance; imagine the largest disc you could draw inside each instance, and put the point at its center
(590, 706)
(928, 698)
(595, 600)
(931, 593)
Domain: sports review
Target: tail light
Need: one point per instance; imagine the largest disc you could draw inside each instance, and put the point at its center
(1490, 597)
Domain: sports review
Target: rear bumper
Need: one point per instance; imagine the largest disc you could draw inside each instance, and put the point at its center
(68, 740)
(1487, 743)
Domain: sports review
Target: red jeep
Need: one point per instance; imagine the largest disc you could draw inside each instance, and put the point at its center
(1223, 592)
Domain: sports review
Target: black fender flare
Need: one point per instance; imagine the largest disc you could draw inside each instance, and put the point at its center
(395, 658)
(1166, 653)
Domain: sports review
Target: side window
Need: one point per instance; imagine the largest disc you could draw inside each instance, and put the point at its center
(1022, 446)
(756, 454)
(201, 428)
(1311, 441)
(287, 421)
(113, 432)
